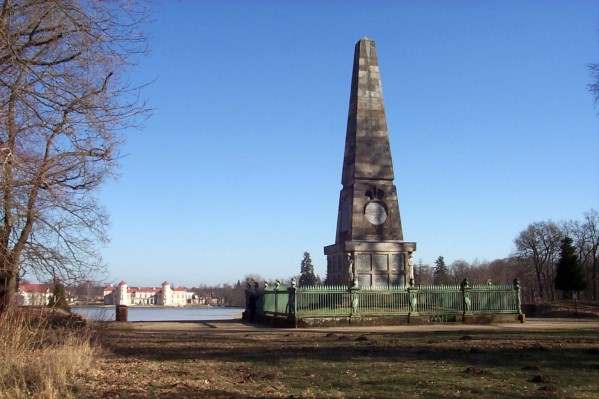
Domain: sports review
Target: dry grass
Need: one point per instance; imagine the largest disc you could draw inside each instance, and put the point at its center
(229, 360)
(40, 360)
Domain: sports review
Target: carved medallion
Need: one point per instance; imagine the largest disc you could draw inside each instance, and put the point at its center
(375, 213)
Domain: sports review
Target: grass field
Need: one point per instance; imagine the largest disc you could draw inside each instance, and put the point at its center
(207, 360)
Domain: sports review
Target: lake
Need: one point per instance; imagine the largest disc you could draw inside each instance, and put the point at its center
(159, 313)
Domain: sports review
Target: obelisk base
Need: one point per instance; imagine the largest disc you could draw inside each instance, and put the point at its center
(369, 263)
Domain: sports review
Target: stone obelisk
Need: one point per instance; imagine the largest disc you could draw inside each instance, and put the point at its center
(369, 249)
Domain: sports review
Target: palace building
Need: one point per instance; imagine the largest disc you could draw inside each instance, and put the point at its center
(34, 294)
(165, 295)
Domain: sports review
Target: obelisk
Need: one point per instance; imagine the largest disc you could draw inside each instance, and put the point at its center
(369, 249)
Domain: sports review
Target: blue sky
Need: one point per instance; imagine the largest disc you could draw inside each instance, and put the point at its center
(238, 170)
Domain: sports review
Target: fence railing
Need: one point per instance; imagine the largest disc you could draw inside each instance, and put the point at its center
(340, 301)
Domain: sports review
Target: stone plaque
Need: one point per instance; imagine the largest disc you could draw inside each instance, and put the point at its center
(363, 263)
(364, 280)
(396, 263)
(380, 280)
(395, 279)
(375, 213)
(379, 264)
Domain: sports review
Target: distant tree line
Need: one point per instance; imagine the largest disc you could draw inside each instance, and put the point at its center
(539, 250)
(551, 260)
(232, 294)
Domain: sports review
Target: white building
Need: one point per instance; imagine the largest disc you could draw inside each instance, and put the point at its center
(34, 294)
(164, 295)
(109, 294)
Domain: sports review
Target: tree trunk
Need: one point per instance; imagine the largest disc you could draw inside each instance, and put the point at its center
(539, 280)
(594, 279)
(8, 289)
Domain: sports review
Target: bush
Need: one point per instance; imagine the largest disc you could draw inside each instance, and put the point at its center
(58, 298)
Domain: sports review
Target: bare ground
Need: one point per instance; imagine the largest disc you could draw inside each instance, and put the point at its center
(545, 358)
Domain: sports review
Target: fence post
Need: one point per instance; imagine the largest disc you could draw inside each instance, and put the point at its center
(291, 306)
(466, 302)
(258, 302)
(354, 292)
(264, 300)
(413, 295)
(277, 286)
(518, 300)
(246, 314)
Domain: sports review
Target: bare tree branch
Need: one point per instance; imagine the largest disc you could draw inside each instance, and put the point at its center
(64, 101)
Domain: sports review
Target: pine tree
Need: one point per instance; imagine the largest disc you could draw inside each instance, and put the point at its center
(58, 298)
(569, 276)
(307, 276)
(441, 272)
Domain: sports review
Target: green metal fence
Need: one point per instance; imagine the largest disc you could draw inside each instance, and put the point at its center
(321, 301)
(438, 301)
(383, 301)
(274, 301)
(493, 299)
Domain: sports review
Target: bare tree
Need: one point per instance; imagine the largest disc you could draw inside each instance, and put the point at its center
(64, 102)
(539, 244)
(590, 226)
(585, 236)
(594, 87)
(423, 273)
(460, 269)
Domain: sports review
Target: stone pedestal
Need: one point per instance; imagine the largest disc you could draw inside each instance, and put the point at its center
(369, 263)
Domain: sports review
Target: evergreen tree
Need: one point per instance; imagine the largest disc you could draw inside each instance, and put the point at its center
(569, 276)
(58, 298)
(440, 274)
(307, 276)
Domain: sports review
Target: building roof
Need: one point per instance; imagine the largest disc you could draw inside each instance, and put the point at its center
(144, 289)
(35, 288)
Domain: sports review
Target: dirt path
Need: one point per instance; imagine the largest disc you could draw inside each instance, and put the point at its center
(537, 324)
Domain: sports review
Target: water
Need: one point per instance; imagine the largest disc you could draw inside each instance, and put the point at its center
(159, 313)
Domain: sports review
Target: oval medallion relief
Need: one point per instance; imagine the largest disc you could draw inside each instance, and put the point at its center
(375, 213)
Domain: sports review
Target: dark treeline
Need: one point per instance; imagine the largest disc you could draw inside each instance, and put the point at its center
(232, 294)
